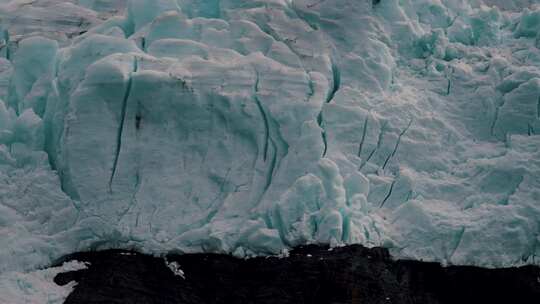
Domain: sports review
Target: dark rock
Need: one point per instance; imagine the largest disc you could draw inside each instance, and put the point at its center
(311, 274)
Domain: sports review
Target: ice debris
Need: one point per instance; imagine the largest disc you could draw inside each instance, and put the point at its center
(37, 286)
(175, 268)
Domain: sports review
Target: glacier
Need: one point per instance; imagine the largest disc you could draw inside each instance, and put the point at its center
(250, 127)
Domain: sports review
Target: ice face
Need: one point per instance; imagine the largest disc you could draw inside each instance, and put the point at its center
(251, 127)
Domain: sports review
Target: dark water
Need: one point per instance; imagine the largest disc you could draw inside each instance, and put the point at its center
(311, 274)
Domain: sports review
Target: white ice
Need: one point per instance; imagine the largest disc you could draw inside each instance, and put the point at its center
(37, 286)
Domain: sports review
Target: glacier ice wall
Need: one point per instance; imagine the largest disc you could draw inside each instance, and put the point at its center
(253, 126)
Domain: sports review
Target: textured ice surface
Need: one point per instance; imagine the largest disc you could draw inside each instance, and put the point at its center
(252, 126)
(37, 286)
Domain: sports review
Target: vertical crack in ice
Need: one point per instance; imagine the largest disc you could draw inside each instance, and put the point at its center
(396, 146)
(143, 44)
(336, 81)
(138, 121)
(379, 142)
(449, 72)
(274, 143)
(49, 137)
(134, 201)
(6, 39)
(320, 122)
(267, 28)
(497, 113)
(496, 117)
(409, 196)
(311, 87)
(122, 119)
(263, 115)
(389, 192)
(494, 122)
(273, 165)
(533, 249)
(459, 238)
(280, 227)
(364, 131)
(367, 159)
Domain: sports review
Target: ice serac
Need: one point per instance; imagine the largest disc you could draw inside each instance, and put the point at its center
(251, 127)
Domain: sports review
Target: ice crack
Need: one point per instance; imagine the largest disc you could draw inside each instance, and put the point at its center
(398, 141)
(127, 94)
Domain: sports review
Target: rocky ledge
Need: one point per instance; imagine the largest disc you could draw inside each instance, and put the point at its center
(309, 274)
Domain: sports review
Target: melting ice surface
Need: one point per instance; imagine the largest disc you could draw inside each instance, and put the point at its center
(252, 126)
(37, 286)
